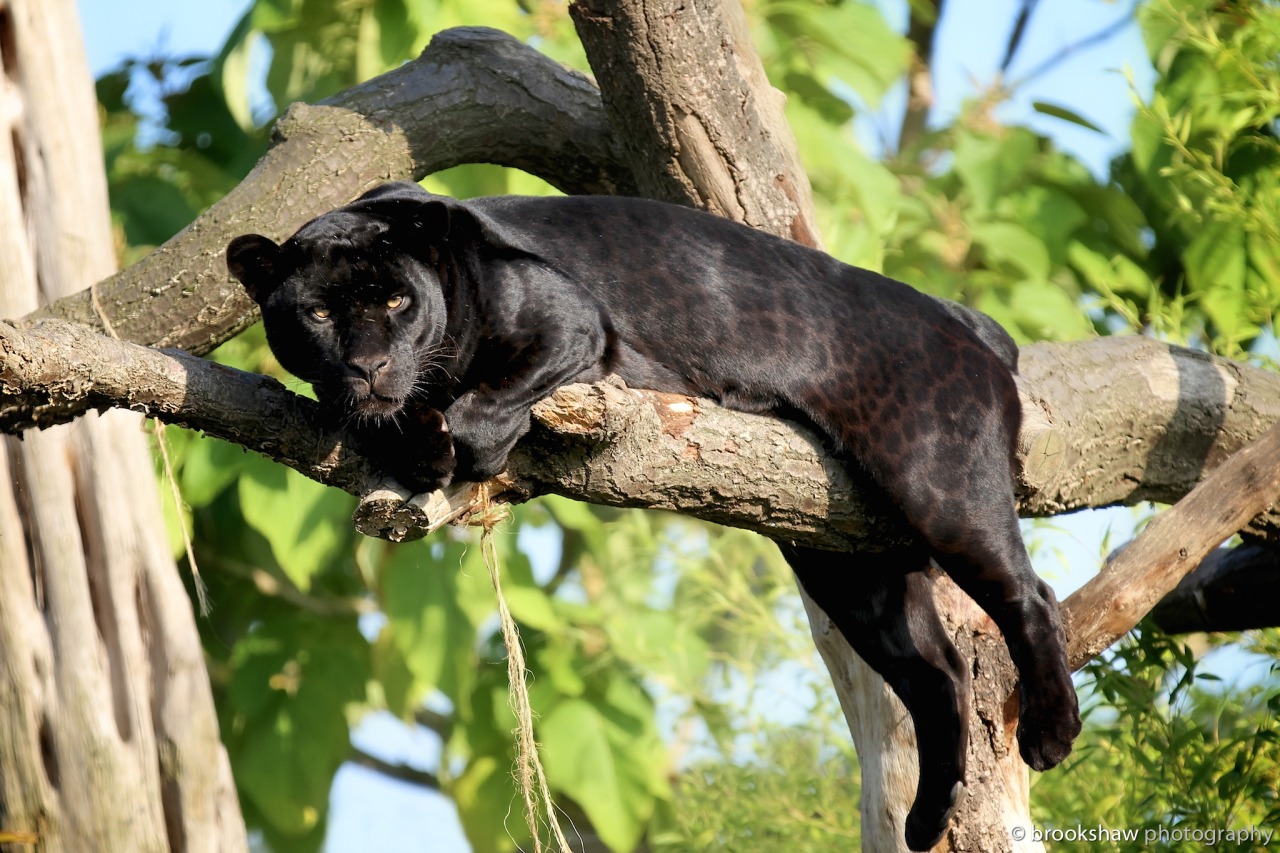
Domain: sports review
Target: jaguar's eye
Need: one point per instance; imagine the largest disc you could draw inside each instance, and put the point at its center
(397, 301)
(319, 312)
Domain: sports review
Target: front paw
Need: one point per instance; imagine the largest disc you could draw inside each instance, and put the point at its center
(418, 452)
(428, 457)
(928, 822)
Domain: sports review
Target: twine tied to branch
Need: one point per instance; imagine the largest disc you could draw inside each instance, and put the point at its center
(528, 767)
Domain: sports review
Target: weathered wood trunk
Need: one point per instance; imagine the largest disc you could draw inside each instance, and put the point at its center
(108, 738)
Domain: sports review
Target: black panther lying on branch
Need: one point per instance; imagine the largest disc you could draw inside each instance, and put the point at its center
(403, 305)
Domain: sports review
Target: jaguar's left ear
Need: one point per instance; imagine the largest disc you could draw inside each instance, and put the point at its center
(254, 260)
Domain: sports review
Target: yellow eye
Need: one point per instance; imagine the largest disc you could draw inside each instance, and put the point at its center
(396, 301)
(320, 312)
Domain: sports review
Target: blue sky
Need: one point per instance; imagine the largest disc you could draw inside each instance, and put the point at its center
(372, 812)
(973, 35)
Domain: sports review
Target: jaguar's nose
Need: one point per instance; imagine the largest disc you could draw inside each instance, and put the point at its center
(367, 368)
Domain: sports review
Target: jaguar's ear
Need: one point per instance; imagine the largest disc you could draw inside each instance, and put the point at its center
(254, 261)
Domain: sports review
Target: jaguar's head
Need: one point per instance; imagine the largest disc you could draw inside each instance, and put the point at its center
(350, 305)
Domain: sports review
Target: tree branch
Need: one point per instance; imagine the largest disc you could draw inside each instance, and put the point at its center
(708, 134)
(614, 446)
(1233, 589)
(1019, 29)
(420, 118)
(921, 27)
(1053, 61)
(395, 770)
(1173, 544)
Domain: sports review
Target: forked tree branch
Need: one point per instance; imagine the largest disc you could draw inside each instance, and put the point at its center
(1171, 546)
(475, 95)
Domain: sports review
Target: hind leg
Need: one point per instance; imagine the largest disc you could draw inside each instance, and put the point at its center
(947, 464)
(988, 561)
(886, 613)
(958, 495)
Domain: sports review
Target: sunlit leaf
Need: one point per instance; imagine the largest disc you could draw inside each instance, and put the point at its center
(489, 807)
(296, 515)
(1058, 111)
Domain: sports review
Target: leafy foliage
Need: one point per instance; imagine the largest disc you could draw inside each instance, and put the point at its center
(1205, 165)
(657, 646)
(798, 795)
(1167, 746)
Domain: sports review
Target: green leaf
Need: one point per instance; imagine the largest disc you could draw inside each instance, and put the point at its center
(209, 467)
(655, 641)
(1216, 263)
(579, 517)
(580, 759)
(1117, 274)
(1052, 215)
(1123, 220)
(850, 42)
(489, 807)
(401, 692)
(231, 70)
(1045, 311)
(1065, 114)
(152, 208)
(607, 756)
(1007, 243)
(990, 165)
(427, 620)
(562, 665)
(305, 523)
(833, 109)
(387, 34)
(528, 602)
(291, 685)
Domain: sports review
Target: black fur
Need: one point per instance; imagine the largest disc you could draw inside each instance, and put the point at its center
(479, 309)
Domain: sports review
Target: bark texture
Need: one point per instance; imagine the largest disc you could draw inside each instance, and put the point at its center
(108, 738)
(684, 89)
(615, 446)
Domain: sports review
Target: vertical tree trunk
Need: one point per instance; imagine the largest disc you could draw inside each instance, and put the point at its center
(666, 69)
(108, 737)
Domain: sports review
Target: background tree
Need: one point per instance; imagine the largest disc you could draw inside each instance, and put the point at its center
(1012, 226)
(107, 727)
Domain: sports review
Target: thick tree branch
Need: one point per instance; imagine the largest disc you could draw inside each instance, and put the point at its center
(614, 446)
(54, 371)
(1171, 546)
(701, 124)
(475, 95)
